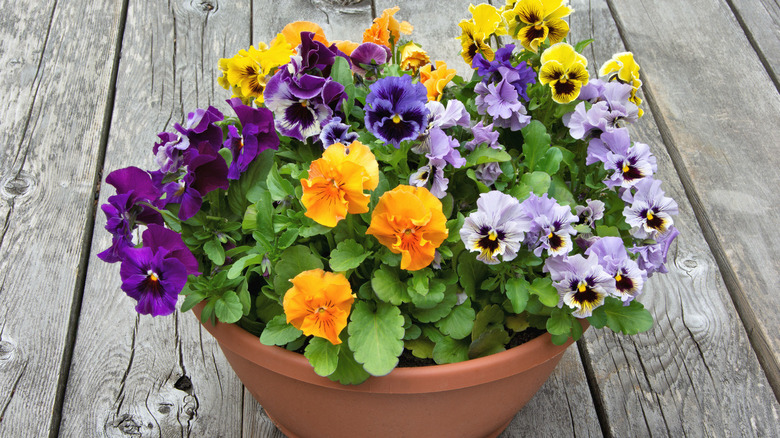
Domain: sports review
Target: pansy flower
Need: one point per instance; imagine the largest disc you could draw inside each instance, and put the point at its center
(318, 304)
(551, 225)
(257, 135)
(652, 258)
(501, 102)
(386, 30)
(292, 32)
(154, 274)
(432, 177)
(413, 57)
(496, 228)
(409, 221)
(337, 131)
(589, 213)
(581, 282)
(395, 109)
(336, 183)
(650, 212)
(487, 19)
(564, 70)
(613, 257)
(473, 42)
(623, 68)
(435, 78)
(203, 173)
(249, 70)
(369, 56)
(628, 163)
(534, 21)
(501, 68)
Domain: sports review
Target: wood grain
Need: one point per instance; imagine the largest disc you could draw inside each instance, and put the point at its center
(760, 20)
(721, 135)
(138, 375)
(56, 69)
(695, 372)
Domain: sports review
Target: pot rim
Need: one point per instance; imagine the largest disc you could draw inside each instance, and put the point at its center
(406, 380)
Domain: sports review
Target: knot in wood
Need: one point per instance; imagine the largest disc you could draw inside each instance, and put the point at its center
(207, 5)
(183, 384)
(128, 425)
(343, 2)
(18, 185)
(6, 350)
(164, 408)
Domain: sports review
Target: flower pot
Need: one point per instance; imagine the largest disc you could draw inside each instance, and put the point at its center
(475, 398)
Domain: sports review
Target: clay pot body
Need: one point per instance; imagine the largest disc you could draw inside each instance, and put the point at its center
(475, 398)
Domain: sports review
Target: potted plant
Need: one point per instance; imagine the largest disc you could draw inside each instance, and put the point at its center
(364, 206)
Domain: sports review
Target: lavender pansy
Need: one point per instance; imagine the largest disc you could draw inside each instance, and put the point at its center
(581, 282)
(650, 212)
(551, 227)
(432, 177)
(500, 102)
(591, 212)
(652, 258)
(496, 228)
(613, 257)
(336, 132)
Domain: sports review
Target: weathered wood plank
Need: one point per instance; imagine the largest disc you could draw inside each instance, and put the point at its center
(694, 373)
(760, 20)
(562, 407)
(56, 62)
(148, 376)
(339, 22)
(721, 133)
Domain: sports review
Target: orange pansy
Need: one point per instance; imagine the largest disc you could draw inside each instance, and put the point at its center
(409, 221)
(319, 303)
(336, 183)
(435, 79)
(346, 46)
(386, 26)
(292, 32)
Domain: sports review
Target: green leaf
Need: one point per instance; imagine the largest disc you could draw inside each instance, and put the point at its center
(487, 318)
(278, 332)
(376, 337)
(348, 371)
(388, 287)
(543, 288)
(215, 252)
(537, 182)
(245, 298)
(486, 154)
(340, 72)
(537, 143)
(244, 191)
(292, 262)
(191, 300)
(228, 308)
(323, 356)
(471, 273)
(605, 231)
(448, 350)
(580, 46)
(421, 347)
(459, 322)
(516, 290)
(550, 162)
(559, 322)
(239, 265)
(489, 342)
(429, 297)
(278, 187)
(265, 214)
(438, 311)
(630, 320)
(347, 255)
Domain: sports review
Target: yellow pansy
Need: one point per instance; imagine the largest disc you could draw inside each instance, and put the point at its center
(249, 71)
(565, 70)
(534, 21)
(413, 57)
(473, 42)
(623, 68)
(487, 19)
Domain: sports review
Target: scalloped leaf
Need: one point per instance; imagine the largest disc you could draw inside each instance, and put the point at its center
(278, 332)
(347, 255)
(323, 356)
(459, 322)
(388, 287)
(376, 337)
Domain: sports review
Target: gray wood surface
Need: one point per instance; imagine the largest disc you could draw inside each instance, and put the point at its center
(721, 135)
(128, 371)
(760, 20)
(679, 378)
(55, 79)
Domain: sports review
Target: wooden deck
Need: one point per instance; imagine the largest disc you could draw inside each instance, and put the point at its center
(86, 85)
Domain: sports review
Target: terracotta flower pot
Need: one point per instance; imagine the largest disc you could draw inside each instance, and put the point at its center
(476, 398)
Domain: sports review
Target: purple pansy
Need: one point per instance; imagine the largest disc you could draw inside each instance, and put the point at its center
(501, 68)
(496, 228)
(200, 128)
(432, 177)
(650, 212)
(613, 257)
(581, 282)
(337, 132)
(204, 173)
(395, 109)
(628, 163)
(454, 114)
(500, 102)
(369, 56)
(652, 258)
(551, 227)
(257, 135)
(296, 116)
(483, 134)
(590, 213)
